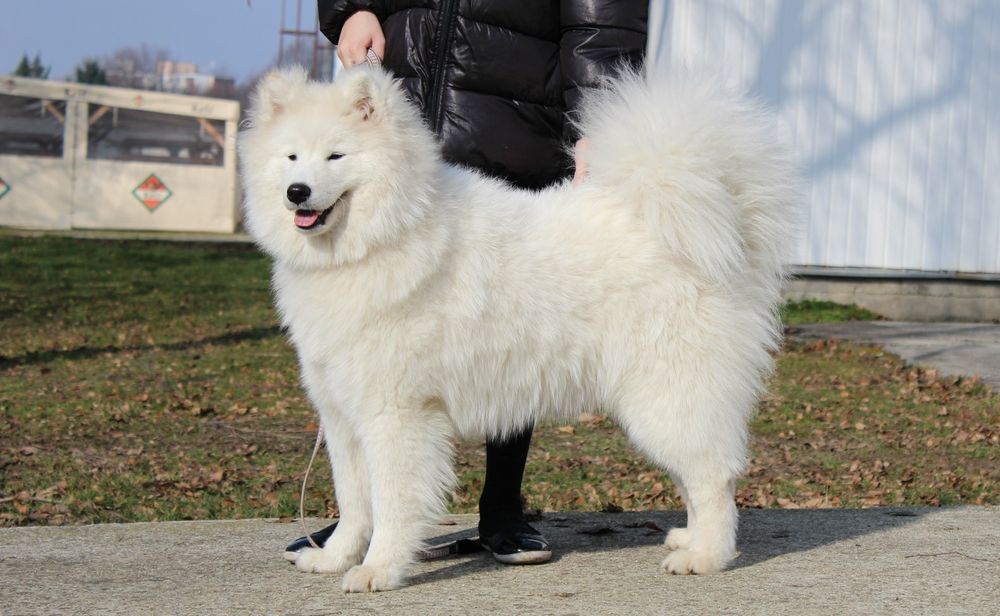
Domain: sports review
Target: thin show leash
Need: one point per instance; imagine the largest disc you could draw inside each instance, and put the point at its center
(452, 548)
(305, 481)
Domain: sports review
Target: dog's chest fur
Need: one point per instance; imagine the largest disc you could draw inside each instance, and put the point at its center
(452, 341)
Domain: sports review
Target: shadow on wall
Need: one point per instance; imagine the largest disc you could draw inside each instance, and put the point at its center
(892, 109)
(799, 24)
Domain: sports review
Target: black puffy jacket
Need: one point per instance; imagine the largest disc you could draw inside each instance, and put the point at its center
(495, 78)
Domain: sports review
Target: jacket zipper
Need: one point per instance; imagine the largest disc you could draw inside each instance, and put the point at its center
(444, 40)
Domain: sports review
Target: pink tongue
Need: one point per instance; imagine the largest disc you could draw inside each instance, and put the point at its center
(306, 218)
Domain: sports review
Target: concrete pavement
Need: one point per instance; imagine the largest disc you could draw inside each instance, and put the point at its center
(969, 349)
(874, 561)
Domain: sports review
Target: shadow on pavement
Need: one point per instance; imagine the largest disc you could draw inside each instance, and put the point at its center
(763, 534)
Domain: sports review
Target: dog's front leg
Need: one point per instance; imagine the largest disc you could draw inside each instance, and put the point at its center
(408, 453)
(346, 547)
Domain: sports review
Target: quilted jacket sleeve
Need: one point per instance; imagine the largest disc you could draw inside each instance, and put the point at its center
(596, 35)
(333, 13)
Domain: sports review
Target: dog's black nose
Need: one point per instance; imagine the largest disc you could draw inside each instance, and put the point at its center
(297, 193)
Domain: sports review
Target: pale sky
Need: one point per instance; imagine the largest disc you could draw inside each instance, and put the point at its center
(228, 35)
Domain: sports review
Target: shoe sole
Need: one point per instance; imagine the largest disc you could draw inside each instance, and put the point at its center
(518, 558)
(524, 558)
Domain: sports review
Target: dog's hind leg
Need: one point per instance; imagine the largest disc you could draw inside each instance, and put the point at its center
(703, 450)
(709, 541)
(707, 487)
(346, 547)
(408, 454)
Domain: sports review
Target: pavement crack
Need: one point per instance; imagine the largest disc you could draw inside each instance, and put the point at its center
(985, 560)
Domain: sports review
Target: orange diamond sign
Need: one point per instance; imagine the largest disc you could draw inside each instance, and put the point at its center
(152, 192)
(4, 187)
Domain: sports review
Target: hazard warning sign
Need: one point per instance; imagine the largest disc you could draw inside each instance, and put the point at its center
(152, 192)
(4, 188)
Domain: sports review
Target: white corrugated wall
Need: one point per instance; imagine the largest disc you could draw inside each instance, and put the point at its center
(892, 108)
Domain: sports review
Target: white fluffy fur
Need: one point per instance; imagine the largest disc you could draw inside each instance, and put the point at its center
(439, 303)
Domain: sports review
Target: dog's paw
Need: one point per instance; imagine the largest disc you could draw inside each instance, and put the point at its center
(365, 578)
(320, 560)
(678, 539)
(684, 562)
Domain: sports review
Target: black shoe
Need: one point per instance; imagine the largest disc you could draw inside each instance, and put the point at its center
(515, 542)
(320, 537)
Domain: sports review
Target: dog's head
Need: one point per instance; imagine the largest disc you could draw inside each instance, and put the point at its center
(331, 172)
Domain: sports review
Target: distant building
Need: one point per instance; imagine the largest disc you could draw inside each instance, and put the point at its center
(126, 73)
(184, 78)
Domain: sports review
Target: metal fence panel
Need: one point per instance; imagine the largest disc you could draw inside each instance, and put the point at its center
(36, 161)
(92, 157)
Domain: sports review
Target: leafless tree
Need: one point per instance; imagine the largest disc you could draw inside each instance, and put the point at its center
(134, 67)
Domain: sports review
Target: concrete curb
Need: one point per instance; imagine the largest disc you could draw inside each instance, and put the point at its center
(960, 349)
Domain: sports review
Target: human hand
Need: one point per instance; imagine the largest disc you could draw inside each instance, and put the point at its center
(580, 161)
(361, 32)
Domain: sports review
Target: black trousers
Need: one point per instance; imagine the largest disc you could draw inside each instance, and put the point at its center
(501, 498)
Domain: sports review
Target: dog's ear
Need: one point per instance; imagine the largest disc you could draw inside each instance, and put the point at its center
(273, 93)
(365, 91)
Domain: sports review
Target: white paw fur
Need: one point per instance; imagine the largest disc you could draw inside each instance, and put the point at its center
(366, 578)
(678, 538)
(686, 562)
(322, 560)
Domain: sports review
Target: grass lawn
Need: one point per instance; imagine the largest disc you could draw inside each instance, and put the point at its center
(150, 381)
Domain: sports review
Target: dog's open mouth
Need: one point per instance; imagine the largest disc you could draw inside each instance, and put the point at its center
(313, 222)
(307, 220)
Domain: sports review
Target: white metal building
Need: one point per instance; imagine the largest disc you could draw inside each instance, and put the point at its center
(892, 108)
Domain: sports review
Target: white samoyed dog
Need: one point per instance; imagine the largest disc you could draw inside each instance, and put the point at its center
(428, 302)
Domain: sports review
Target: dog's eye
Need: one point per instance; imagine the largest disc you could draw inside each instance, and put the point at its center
(292, 157)
(335, 156)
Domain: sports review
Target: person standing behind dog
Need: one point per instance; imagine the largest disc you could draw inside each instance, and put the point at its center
(495, 81)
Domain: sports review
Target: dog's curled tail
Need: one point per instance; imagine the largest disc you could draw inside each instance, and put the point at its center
(702, 164)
